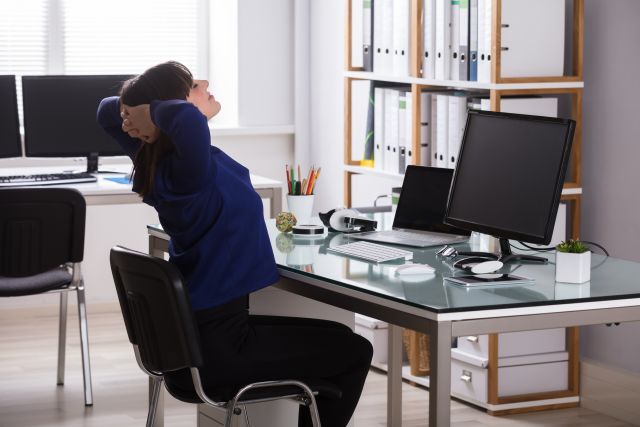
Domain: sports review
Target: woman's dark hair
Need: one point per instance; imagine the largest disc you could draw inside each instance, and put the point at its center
(169, 80)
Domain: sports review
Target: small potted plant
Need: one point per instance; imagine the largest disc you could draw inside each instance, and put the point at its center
(573, 262)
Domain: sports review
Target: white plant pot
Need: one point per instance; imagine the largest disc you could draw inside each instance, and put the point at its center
(573, 268)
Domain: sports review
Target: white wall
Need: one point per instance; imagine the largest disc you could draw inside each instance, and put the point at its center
(265, 69)
(610, 158)
(326, 81)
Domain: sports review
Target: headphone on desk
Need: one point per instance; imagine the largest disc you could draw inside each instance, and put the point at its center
(478, 265)
(347, 221)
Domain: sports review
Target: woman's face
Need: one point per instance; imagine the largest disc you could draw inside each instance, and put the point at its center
(201, 98)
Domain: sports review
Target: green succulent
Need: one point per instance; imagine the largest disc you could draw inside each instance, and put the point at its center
(572, 246)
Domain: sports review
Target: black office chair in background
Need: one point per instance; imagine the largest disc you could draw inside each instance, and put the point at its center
(161, 326)
(41, 249)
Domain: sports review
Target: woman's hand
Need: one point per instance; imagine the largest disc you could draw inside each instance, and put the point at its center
(137, 123)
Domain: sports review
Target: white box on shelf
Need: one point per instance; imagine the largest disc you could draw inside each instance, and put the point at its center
(375, 331)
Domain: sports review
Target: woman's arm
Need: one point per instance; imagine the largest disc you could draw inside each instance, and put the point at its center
(108, 117)
(188, 129)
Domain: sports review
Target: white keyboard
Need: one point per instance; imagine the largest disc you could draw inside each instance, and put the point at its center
(371, 252)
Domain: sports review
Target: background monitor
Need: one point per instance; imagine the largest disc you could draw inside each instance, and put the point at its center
(60, 116)
(9, 124)
(509, 177)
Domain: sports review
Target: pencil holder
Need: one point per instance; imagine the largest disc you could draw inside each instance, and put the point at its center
(301, 207)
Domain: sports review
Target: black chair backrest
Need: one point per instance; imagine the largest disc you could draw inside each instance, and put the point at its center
(40, 229)
(157, 311)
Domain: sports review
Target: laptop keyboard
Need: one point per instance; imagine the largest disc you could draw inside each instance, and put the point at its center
(371, 252)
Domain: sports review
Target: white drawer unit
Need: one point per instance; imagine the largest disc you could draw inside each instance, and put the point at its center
(537, 378)
(469, 382)
(376, 331)
(516, 343)
(531, 342)
(517, 375)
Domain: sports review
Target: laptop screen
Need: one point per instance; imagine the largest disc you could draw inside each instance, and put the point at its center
(423, 200)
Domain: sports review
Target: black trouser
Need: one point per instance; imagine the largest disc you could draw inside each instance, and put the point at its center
(240, 349)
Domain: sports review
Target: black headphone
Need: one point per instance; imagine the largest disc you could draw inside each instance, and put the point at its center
(468, 263)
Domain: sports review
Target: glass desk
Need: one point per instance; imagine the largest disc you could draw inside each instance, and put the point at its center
(442, 310)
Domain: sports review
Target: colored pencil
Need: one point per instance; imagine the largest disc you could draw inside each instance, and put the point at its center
(286, 170)
(307, 188)
(315, 179)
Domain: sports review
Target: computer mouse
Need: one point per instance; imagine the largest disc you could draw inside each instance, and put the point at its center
(414, 269)
(486, 267)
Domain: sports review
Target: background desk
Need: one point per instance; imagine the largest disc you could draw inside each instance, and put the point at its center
(444, 311)
(106, 192)
(115, 215)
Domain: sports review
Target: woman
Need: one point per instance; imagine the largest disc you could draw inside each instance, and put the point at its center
(219, 242)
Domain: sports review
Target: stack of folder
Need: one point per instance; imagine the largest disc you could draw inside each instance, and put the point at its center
(457, 36)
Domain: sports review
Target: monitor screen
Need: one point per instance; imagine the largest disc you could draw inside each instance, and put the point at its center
(510, 174)
(60, 115)
(9, 125)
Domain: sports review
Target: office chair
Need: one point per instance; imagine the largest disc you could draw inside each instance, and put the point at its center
(161, 326)
(41, 250)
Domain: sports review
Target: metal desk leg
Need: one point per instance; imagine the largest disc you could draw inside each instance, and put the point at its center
(274, 195)
(159, 418)
(276, 202)
(440, 379)
(394, 376)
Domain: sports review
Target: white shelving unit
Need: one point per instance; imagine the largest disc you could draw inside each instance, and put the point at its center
(493, 386)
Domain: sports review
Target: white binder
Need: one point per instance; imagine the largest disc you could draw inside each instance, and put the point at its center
(401, 28)
(408, 136)
(357, 32)
(360, 90)
(442, 131)
(434, 130)
(378, 63)
(457, 120)
(391, 130)
(443, 39)
(387, 37)
(425, 129)
(484, 40)
(378, 129)
(383, 36)
(530, 49)
(454, 58)
(429, 39)
(463, 52)
(473, 40)
(402, 131)
(367, 35)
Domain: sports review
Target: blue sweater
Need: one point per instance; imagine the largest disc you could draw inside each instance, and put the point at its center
(207, 205)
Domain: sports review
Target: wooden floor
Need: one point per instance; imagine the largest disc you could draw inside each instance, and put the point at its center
(29, 396)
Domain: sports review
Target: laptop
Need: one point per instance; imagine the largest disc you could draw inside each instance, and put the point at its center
(419, 220)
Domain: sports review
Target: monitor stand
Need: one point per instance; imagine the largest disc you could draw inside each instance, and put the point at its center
(92, 164)
(506, 255)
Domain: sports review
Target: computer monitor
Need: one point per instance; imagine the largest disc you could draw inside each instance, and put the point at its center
(509, 179)
(9, 124)
(60, 116)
